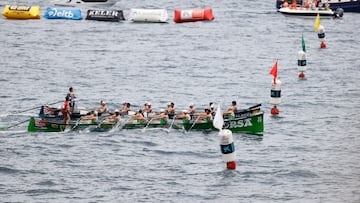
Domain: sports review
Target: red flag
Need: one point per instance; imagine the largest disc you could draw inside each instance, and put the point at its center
(274, 71)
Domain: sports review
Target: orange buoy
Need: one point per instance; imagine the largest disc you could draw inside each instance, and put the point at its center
(231, 165)
(274, 110)
(301, 75)
(323, 45)
(182, 16)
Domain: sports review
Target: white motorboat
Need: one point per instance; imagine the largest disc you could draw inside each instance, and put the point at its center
(78, 3)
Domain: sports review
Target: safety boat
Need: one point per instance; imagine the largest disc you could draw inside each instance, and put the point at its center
(84, 3)
(301, 11)
(346, 5)
(247, 121)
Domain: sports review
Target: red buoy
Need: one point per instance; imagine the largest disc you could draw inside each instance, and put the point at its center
(231, 165)
(323, 45)
(301, 75)
(274, 110)
(182, 16)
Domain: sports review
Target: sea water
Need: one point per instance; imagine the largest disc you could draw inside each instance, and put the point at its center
(309, 153)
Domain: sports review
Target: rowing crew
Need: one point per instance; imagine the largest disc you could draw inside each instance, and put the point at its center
(144, 114)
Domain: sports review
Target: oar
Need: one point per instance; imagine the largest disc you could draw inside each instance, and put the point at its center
(147, 124)
(35, 108)
(76, 124)
(255, 106)
(7, 128)
(172, 123)
(194, 123)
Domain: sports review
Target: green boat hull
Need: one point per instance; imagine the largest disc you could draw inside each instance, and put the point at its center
(249, 124)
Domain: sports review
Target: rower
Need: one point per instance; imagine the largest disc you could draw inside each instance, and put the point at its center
(93, 116)
(171, 110)
(204, 116)
(113, 118)
(139, 116)
(232, 110)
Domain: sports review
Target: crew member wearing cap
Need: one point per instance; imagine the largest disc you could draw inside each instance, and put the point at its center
(147, 109)
(103, 108)
(161, 115)
(191, 109)
(113, 118)
(126, 108)
(183, 115)
(92, 116)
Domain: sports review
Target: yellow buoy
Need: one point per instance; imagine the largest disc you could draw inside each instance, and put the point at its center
(21, 12)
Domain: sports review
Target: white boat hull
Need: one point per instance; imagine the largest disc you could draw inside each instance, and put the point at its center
(80, 3)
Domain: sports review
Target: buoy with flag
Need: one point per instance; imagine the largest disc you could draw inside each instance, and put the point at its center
(275, 94)
(321, 31)
(302, 59)
(226, 140)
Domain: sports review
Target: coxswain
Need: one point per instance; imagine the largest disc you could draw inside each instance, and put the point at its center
(65, 111)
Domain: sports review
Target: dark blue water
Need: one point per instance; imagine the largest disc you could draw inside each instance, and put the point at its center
(307, 154)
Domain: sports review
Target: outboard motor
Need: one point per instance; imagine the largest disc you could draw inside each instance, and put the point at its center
(339, 13)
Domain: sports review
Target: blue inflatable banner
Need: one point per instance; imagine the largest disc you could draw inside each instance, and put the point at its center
(63, 13)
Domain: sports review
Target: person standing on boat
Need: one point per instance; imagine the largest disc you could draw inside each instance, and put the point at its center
(65, 111)
(72, 97)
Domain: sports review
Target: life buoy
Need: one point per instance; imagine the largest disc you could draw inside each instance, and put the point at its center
(181, 16)
(21, 12)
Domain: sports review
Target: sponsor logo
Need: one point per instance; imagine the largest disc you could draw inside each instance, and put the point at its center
(103, 13)
(20, 8)
(242, 123)
(61, 14)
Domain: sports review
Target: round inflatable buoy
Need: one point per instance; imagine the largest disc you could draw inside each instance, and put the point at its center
(181, 16)
(274, 110)
(301, 75)
(227, 148)
(301, 63)
(321, 36)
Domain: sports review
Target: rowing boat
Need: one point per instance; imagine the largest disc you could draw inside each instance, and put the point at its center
(249, 121)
